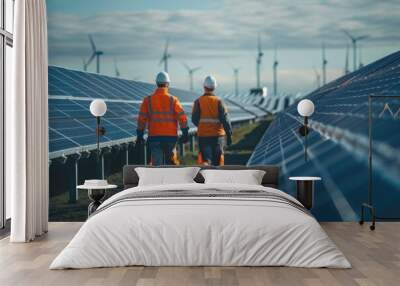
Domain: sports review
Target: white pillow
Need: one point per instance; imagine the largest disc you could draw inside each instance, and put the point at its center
(248, 177)
(166, 176)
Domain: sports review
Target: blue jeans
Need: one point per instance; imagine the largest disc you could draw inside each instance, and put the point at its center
(212, 148)
(162, 153)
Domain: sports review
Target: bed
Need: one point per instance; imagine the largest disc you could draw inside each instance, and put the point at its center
(197, 224)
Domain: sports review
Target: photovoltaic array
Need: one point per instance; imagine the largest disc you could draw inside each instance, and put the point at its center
(339, 141)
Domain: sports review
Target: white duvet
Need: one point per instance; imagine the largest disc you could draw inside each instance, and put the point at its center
(200, 231)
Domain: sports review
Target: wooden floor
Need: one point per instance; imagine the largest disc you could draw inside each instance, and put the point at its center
(375, 257)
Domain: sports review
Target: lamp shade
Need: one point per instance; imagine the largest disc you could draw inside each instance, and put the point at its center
(305, 107)
(98, 107)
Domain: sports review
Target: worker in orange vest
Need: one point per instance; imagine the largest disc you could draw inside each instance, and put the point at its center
(211, 117)
(161, 112)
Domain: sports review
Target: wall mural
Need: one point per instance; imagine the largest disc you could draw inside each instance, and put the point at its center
(113, 51)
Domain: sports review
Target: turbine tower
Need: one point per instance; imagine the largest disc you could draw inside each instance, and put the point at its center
(84, 64)
(165, 56)
(346, 63)
(95, 54)
(324, 63)
(317, 77)
(236, 77)
(354, 41)
(191, 71)
(117, 73)
(259, 57)
(275, 68)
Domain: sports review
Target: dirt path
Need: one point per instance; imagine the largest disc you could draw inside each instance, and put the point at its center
(245, 139)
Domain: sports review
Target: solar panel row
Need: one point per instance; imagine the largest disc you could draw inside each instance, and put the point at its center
(270, 104)
(338, 143)
(72, 127)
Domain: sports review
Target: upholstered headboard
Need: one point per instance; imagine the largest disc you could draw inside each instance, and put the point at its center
(271, 177)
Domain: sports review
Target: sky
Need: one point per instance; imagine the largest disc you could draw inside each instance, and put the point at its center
(220, 35)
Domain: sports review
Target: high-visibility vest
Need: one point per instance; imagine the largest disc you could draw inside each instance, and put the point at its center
(209, 124)
(161, 113)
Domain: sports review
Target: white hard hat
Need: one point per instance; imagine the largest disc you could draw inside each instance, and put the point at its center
(162, 77)
(210, 82)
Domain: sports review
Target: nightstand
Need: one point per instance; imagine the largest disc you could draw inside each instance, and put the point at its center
(305, 190)
(96, 194)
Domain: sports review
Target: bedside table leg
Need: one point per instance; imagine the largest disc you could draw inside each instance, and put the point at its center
(95, 196)
(93, 207)
(305, 193)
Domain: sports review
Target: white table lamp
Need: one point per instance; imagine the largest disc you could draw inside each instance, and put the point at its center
(305, 108)
(98, 108)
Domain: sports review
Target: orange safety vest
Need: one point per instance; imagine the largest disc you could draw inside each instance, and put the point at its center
(161, 113)
(209, 124)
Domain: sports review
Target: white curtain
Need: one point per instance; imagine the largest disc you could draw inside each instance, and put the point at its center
(27, 124)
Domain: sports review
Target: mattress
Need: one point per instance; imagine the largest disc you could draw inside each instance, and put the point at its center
(201, 225)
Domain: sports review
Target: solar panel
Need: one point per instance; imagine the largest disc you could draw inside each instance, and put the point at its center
(260, 105)
(72, 127)
(338, 143)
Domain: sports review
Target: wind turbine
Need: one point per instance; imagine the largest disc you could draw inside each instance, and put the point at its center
(317, 77)
(324, 63)
(346, 64)
(236, 77)
(117, 73)
(165, 56)
(259, 57)
(275, 68)
(96, 54)
(191, 71)
(354, 41)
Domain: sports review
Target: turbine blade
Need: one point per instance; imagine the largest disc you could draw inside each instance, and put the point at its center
(166, 47)
(196, 69)
(186, 66)
(259, 44)
(348, 34)
(362, 37)
(91, 59)
(92, 43)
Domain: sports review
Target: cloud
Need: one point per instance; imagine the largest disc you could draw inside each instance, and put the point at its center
(141, 34)
(225, 34)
